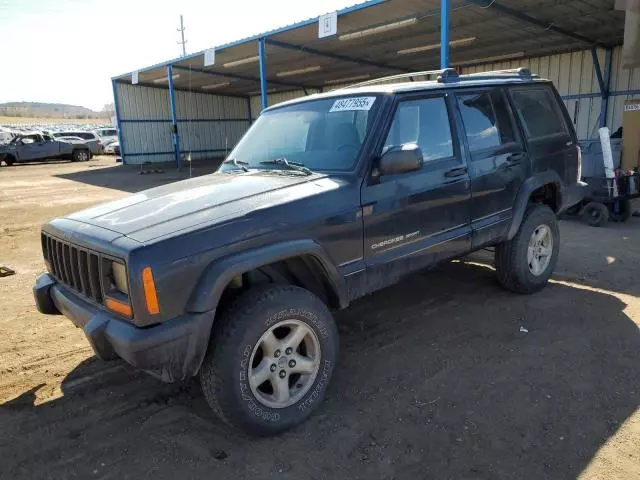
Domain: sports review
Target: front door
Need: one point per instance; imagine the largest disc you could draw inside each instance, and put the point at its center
(498, 161)
(414, 219)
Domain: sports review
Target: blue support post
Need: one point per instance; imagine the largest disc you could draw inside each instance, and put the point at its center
(604, 108)
(174, 118)
(263, 72)
(444, 34)
(118, 123)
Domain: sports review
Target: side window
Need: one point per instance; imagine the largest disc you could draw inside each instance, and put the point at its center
(539, 112)
(424, 122)
(486, 120)
(85, 136)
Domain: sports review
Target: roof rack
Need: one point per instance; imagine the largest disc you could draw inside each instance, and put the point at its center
(400, 76)
(520, 73)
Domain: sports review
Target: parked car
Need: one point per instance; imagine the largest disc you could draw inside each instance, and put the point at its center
(36, 146)
(93, 141)
(111, 147)
(107, 134)
(232, 276)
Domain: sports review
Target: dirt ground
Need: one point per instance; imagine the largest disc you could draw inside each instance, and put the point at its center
(443, 376)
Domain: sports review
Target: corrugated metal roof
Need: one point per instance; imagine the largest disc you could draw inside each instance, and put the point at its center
(485, 30)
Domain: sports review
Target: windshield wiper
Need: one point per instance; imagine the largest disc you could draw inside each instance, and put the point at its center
(290, 165)
(237, 163)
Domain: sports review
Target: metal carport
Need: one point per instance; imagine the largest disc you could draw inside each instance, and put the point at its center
(182, 107)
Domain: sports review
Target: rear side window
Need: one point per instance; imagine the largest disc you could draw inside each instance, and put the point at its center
(539, 112)
(486, 120)
(85, 136)
(424, 122)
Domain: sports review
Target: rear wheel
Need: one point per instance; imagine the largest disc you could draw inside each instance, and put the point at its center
(270, 359)
(80, 155)
(596, 214)
(525, 263)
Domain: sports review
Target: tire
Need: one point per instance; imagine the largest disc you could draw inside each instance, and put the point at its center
(517, 270)
(240, 344)
(9, 160)
(596, 214)
(80, 156)
(624, 210)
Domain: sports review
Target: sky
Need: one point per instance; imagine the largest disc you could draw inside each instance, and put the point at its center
(66, 51)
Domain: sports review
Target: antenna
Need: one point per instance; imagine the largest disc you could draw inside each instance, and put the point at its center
(183, 42)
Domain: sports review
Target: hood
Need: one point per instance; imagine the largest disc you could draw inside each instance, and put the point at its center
(199, 202)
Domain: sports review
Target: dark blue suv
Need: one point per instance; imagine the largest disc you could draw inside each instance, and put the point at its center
(327, 198)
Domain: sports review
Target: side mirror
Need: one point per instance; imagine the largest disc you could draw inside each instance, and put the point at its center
(401, 159)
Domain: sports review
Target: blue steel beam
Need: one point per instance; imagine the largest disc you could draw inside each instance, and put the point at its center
(335, 56)
(118, 121)
(444, 34)
(604, 108)
(262, 57)
(174, 118)
(596, 66)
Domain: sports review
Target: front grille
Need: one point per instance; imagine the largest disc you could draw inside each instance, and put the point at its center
(73, 266)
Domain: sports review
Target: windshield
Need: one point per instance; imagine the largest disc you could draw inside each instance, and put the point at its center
(320, 135)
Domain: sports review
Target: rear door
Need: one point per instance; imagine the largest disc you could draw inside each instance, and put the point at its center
(414, 219)
(498, 161)
(546, 125)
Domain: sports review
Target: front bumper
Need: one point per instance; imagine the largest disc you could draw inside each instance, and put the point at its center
(170, 351)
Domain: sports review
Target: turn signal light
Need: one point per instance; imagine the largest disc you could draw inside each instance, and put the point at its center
(150, 294)
(118, 307)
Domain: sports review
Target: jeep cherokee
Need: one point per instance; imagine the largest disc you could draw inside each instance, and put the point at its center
(232, 276)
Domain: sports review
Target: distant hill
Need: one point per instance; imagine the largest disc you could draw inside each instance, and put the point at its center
(48, 110)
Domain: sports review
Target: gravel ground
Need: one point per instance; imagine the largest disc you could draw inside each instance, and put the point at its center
(443, 376)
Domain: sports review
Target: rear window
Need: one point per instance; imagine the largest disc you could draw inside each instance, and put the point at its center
(539, 112)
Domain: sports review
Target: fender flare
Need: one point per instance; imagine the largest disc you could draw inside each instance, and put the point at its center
(218, 274)
(529, 186)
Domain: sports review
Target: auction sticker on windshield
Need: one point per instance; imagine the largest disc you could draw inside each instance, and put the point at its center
(351, 104)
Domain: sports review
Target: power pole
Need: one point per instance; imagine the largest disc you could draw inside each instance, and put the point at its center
(183, 42)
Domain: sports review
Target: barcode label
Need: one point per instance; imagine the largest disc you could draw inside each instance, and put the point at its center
(354, 103)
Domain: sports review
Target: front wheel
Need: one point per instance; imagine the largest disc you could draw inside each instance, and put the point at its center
(270, 359)
(525, 263)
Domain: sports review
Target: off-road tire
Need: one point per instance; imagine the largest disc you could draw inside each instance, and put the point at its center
(511, 261)
(80, 156)
(224, 372)
(625, 210)
(596, 214)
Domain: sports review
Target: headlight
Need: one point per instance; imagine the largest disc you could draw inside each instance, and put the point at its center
(119, 274)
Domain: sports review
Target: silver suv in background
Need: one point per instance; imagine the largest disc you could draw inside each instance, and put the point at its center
(107, 135)
(93, 141)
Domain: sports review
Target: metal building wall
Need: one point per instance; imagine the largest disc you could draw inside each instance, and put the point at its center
(208, 125)
(145, 123)
(574, 76)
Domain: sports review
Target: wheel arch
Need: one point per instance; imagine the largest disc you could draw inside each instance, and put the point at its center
(545, 188)
(304, 262)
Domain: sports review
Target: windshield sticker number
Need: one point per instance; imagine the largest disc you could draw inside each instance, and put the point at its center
(351, 104)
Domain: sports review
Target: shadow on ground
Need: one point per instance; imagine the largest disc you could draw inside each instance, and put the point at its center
(135, 178)
(435, 380)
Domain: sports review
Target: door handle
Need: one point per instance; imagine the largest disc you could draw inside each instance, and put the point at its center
(455, 172)
(516, 158)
